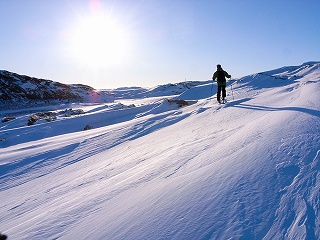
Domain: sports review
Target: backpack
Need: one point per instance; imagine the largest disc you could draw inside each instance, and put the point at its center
(221, 77)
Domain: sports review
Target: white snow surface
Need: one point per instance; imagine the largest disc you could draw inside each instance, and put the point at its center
(245, 170)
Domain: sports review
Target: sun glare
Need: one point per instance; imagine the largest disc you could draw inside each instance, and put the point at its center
(99, 41)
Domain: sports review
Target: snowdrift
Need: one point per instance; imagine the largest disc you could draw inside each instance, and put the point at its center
(245, 170)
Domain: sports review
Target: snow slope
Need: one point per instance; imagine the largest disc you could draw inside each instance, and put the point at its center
(245, 170)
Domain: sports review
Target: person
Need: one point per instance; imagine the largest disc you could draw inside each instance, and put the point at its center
(3, 237)
(221, 75)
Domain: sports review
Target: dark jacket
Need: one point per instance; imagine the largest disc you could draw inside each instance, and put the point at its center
(221, 83)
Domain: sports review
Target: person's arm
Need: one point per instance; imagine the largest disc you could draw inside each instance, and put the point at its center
(227, 75)
(215, 75)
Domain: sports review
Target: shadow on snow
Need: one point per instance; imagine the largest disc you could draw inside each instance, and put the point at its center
(240, 104)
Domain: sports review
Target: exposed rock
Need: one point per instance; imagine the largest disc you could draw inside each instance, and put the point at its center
(48, 116)
(7, 119)
(20, 90)
(87, 127)
(179, 102)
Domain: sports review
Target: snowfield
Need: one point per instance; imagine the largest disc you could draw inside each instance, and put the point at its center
(149, 169)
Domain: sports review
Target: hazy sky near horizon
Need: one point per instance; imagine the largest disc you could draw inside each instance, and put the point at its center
(121, 43)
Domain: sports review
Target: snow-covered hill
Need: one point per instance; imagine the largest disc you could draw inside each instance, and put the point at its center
(20, 91)
(149, 169)
(158, 91)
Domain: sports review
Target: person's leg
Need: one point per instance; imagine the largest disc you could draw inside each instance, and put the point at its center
(219, 93)
(224, 93)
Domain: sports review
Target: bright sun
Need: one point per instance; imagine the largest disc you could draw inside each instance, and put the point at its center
(99, 41)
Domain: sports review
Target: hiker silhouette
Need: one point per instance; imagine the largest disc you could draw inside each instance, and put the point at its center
(221, 75)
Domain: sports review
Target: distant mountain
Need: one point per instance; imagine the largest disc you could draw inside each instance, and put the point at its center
(20, 90)
(160, 90)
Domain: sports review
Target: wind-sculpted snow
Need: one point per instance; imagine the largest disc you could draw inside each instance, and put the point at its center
(245, 170)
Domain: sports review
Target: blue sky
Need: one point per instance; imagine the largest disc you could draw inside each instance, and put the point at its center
(151, 42)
